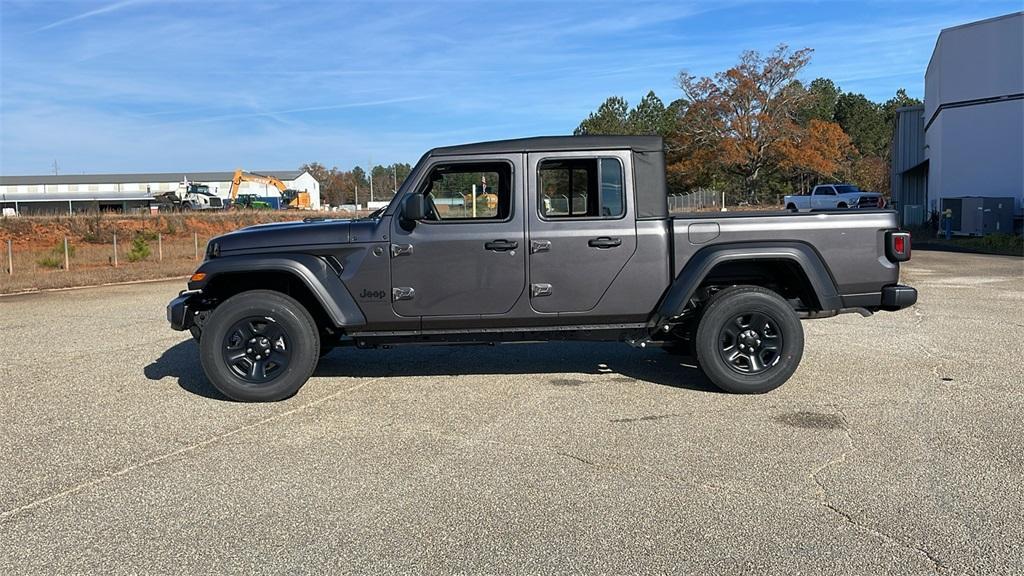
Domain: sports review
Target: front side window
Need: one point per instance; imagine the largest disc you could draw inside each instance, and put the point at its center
(471, 191)
(581, 188)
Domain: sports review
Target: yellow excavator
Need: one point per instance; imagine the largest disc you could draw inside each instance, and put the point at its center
(289, 198)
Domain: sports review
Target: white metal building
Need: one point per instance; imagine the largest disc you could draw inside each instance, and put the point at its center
(972, 120)
(124, 192)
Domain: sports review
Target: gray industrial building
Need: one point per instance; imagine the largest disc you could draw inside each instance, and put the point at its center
(48, 194)
(966, 142)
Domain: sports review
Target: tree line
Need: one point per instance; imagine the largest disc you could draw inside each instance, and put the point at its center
(757, 132)
(339, 187)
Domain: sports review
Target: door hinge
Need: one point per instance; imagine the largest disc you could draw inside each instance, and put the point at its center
(401, 249)
(537, 290)
(402, 293)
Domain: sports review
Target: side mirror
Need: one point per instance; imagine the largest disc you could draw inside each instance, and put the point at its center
(414, 208)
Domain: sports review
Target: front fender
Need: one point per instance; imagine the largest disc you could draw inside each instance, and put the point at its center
(705, 260)
(314, 272)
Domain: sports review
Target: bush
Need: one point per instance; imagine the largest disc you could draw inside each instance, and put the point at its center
(50, 261)
(140, 250)
(55, 258)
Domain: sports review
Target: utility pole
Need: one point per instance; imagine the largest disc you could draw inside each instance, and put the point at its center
(56, 168)
(394, 171)
(371, 180)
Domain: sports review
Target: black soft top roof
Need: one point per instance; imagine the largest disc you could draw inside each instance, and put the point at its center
(553, 143)
(648, 161)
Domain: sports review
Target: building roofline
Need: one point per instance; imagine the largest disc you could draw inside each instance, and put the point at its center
(910, 108)
(138, 177)
(985, 21)
(938, 38)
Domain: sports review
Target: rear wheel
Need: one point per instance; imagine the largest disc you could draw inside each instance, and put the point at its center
(259, 346)
(749, 340)
(792, 208)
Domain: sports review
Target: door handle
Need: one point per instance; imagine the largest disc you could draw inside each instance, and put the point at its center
(402, 293)
(401, 249)
(604, 242)
(501, 245)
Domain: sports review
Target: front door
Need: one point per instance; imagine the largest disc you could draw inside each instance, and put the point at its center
(468, 256)
(823, 197)
(582, 227)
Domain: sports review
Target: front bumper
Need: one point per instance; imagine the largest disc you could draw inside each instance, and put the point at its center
(898, 297)
(179, 312)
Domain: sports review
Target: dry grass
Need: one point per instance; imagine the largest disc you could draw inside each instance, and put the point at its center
(38, 242)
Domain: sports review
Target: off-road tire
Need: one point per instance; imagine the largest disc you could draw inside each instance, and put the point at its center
(722, 322)
(288, 331)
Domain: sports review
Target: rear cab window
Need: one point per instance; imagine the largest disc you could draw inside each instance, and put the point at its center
(580, 188)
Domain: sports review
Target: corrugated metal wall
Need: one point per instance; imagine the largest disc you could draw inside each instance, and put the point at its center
(909, 172)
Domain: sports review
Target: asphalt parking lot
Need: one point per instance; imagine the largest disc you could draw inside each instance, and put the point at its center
(897, 448)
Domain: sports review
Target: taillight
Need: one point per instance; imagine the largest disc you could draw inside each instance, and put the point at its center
(881, 201)
(897, 246)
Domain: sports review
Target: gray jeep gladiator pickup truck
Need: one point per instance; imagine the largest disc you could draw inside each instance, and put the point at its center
(552, 238)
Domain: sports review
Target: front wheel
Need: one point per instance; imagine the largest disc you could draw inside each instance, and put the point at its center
(749, 340)
(259, 346)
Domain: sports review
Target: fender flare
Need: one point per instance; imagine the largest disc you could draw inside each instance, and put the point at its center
(314, 272)
(705, 260)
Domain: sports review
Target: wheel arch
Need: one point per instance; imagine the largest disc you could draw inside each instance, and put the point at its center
(784, 261)
(310, 279)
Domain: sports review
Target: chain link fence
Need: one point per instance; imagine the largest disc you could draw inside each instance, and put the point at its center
(67, 262)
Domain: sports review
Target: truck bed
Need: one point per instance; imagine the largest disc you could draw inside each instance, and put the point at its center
(851, 243)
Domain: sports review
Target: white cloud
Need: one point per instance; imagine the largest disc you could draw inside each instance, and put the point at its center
(91, 13)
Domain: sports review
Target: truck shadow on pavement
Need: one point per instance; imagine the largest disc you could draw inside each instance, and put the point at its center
(559, 364)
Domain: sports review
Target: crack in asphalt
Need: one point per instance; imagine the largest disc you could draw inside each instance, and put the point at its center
(6, 514)
(822, 498)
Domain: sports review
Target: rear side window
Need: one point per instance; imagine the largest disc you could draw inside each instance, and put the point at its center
(581, 188)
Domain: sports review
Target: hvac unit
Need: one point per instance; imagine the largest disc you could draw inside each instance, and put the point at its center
(980, 215)
(913, 215)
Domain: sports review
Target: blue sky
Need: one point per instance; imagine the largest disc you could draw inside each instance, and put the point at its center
(137, 85)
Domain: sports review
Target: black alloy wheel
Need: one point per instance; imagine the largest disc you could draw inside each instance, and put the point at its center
(257, 349)
(750, 343)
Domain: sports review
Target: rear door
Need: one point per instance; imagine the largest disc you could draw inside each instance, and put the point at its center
(468, 257)
(582, 228)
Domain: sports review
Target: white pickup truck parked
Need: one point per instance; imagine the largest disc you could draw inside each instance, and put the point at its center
(826, 196)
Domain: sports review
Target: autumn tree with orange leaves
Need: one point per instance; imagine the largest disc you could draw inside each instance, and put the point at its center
(821, 150)
(757, 132)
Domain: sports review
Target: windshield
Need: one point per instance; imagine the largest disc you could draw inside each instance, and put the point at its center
(847, 189)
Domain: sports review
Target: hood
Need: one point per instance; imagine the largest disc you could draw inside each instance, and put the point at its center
(284, 234)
